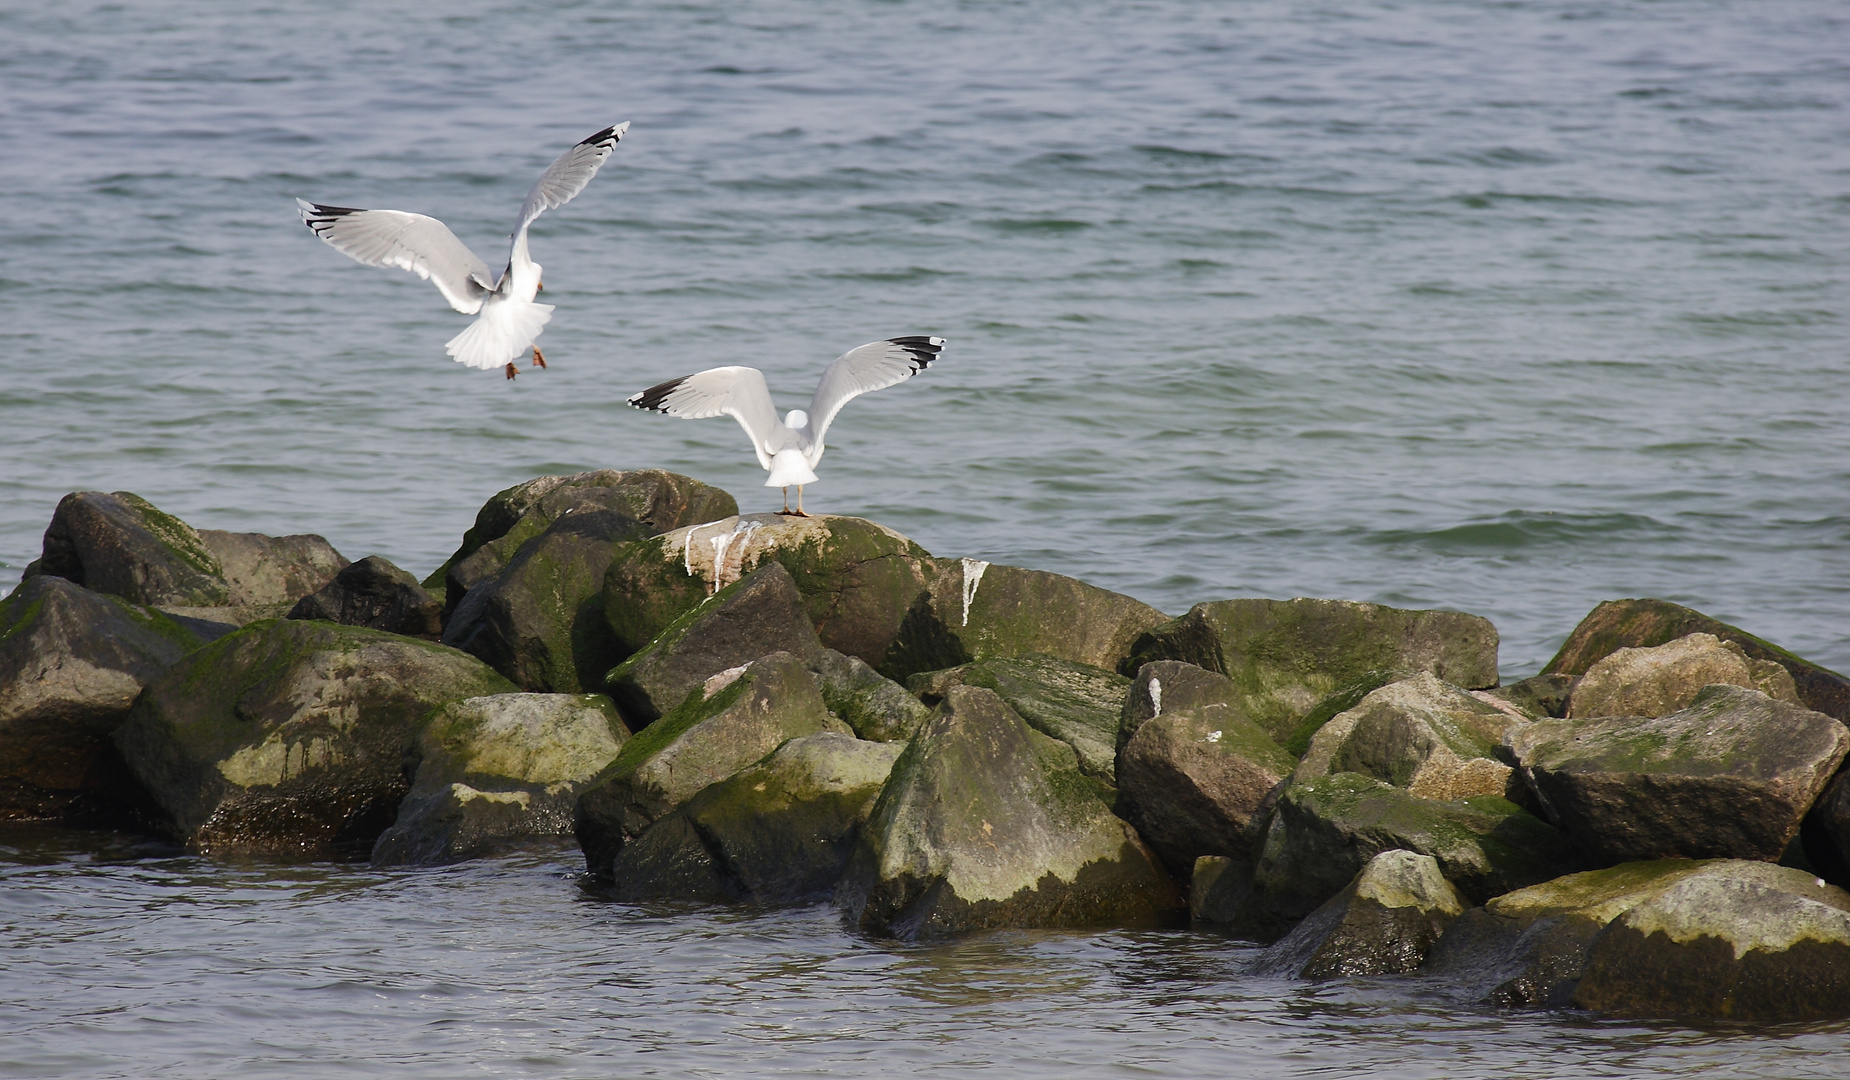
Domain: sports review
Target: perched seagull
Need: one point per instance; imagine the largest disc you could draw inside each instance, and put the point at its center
(507, 319)
(789, 450)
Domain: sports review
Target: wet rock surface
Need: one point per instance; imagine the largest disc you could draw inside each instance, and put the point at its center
(1382, 923)
(1217, 888)
(497, 770)
(1433, 739)
(375, 593)
(987, 823)
(1732, 776)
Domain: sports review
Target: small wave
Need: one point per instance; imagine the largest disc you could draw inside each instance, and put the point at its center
(1523, 529)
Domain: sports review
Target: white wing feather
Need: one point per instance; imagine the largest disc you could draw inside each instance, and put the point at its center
(738, 392)
(874, 366)
(414, 242)
(569, 173)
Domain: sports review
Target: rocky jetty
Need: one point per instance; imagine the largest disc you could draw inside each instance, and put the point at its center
(776, 710)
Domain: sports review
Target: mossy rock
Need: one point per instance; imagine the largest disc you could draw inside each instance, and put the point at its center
(71, 663)
(778, 832)
(1662, 679)
(1076, 703)
(1172, 686)
(121, 545)
(1617, 624)
(876, 707)
(1192, 780)
(986, 823)
(1382, 923)
(290, 737)
(1422, 734)
(373, 592)
(1288, 655)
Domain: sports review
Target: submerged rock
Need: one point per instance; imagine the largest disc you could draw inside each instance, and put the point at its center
(1733, 940)
(1527, 948)
(1729, 777)
(762, 614)
(71, 663)
(1660, 680)
(1422, 734)
(375, 593)
(496, 770)
(1288, 655)
(1323, 831)
(291, 737)
(1618, 624)
(1191, 781)
(777, 832)
(1078, 704)
(875, 706)
(987, 823)
(734, 719)
(1382, 923)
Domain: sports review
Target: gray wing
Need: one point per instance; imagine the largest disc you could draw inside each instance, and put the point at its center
(874, 366)
(422, 245)
(568, 175)
(738, 392)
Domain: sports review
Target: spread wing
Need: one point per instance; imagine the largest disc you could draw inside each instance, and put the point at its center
(874, 366)
(738, 392)
(422, 245)
(568, 175)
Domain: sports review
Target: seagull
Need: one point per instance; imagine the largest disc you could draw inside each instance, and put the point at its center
(507, 319)
(789, 450)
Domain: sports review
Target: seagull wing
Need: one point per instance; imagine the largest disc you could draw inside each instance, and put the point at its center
(568, 175)
(414, 242)
(874, 366)
(738, 392)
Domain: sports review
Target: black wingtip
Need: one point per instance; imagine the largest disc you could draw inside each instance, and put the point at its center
(318, 216)
(920, 349)
(612, 134)
(654, 397)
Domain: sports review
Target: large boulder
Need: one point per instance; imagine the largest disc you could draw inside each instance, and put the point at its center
(1527, 948)
(1175, 686)
(71, 663)
(375, 593)
(974, 610)
(1382, 923)
(762, 614)
(658, 501)
(121, 545)
(1422, 734)
(1618, 624)
(778, 832)
(1729, 777)
(1322, 832)
(876, 707)
(494, 771)
(732, 720)
(1287, 655)
(987, 823)
(1732, 941)
(291, 736)
(1659, 680)
(1076, 703)
(1192, 779)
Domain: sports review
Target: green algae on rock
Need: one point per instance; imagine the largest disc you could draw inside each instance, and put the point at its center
(1422, 734)
(876, 707)
(987, 823)
(1659, 680)
(291, 736)
(1171, 685)
(496, 770)
(1192, 779)
(1078, 704)
(1382, 923)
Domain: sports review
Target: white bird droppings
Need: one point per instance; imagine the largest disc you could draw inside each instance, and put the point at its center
(1156, 696)
(973, 575)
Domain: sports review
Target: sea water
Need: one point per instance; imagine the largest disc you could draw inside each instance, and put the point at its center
(1506, 307)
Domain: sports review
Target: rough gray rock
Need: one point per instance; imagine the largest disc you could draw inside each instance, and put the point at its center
(1287, 655)
(1322, 832)
(762, 614)
(732, 720)
(1173, 686)
(778, 832)
(1191, 780)
(987, 823)
(494, 771)
(1076, 703)
(1382, 923)
(266, 571)
(875, 706)
(71, 663)
(1729, 777)
(1662, 679)
(1618, 624)
(1422, 734)
(375, 593)
(291, 737)
(1734, 940)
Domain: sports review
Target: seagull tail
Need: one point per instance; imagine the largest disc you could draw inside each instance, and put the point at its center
(501, 334)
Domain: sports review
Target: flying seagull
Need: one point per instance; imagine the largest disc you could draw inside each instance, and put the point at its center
(507, 319)
(789, 450)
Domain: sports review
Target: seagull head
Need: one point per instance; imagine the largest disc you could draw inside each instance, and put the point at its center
(796, 419)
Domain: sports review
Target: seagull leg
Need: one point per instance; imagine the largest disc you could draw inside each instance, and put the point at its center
(800, 512)
(538, 359)
(511, 369)
(786, 508)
